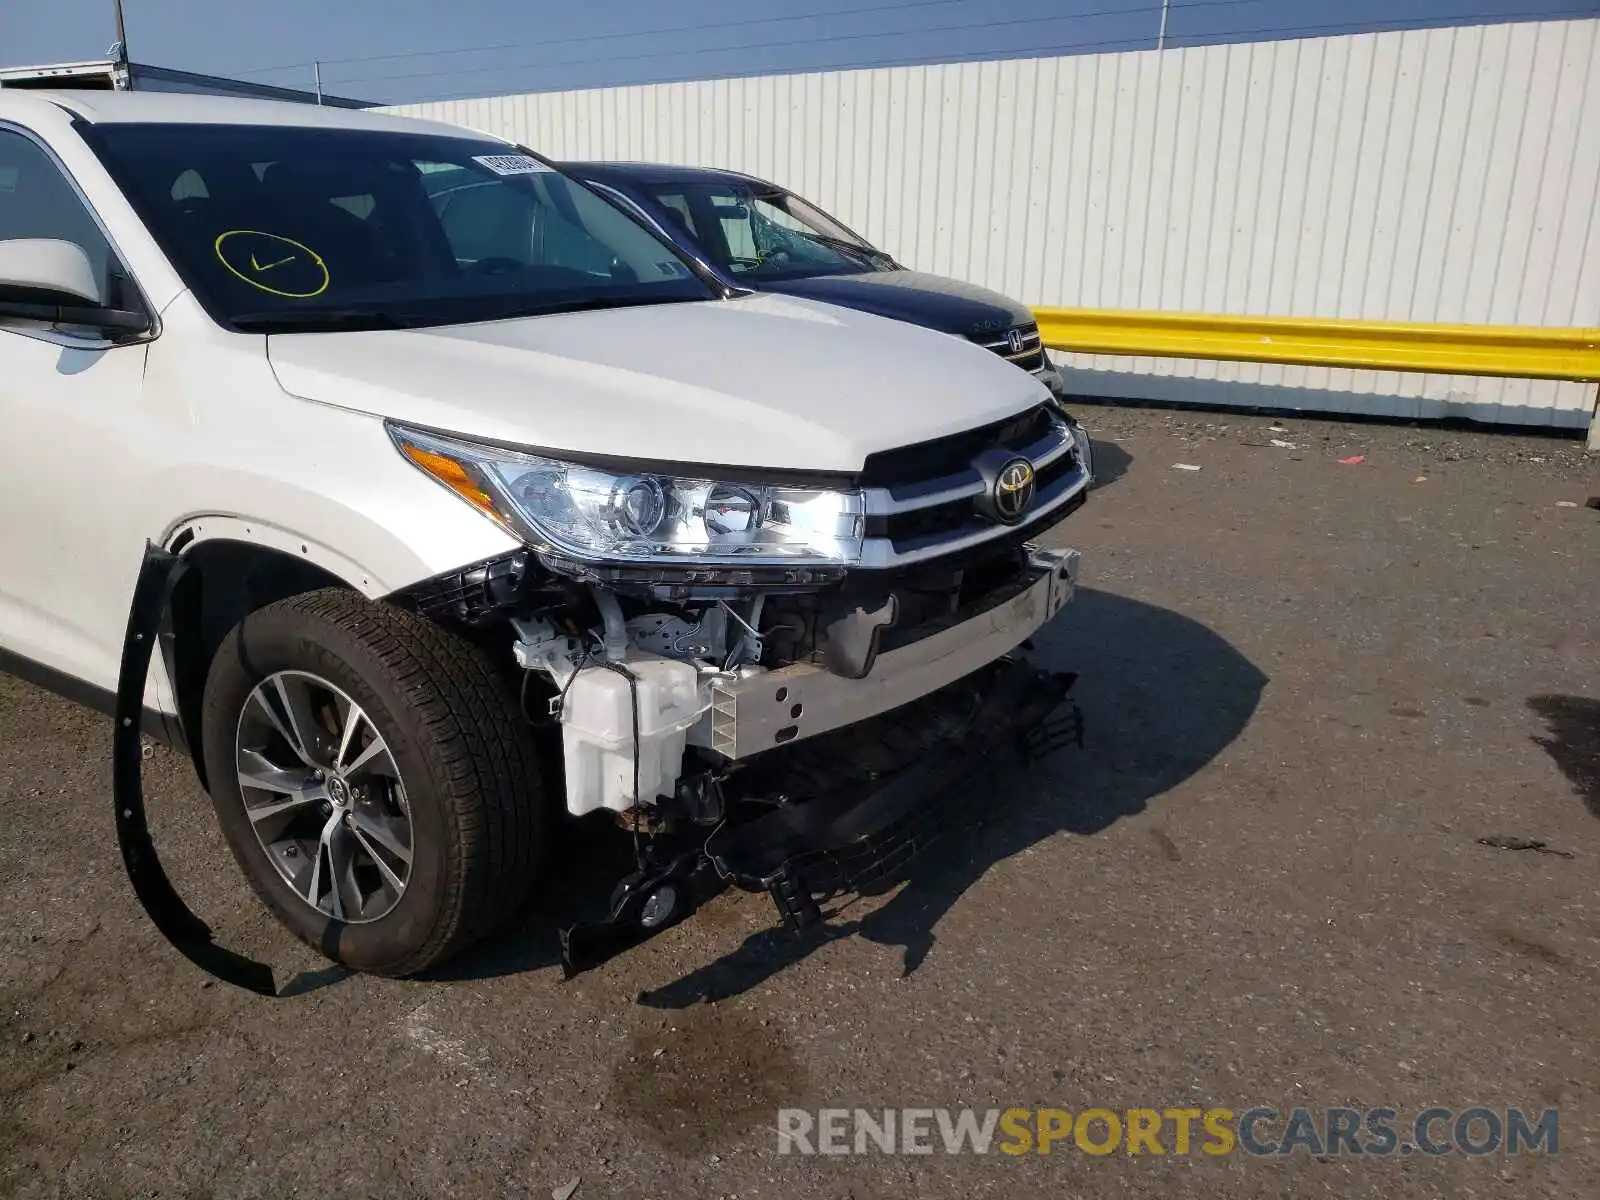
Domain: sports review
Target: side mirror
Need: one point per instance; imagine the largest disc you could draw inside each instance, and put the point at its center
(53, 282)
(46, 271)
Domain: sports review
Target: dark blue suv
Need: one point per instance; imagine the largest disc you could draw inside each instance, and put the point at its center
(756, 235)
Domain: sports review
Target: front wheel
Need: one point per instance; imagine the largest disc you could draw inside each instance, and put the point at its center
(373, 779)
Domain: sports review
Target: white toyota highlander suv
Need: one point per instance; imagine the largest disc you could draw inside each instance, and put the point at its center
(418, 530)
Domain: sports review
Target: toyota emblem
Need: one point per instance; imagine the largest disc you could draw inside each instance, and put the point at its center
(1013, 489)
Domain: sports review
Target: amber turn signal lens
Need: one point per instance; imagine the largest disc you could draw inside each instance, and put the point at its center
(453, 475)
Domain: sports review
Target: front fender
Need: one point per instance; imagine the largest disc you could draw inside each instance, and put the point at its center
(186, 535)
(379, 525)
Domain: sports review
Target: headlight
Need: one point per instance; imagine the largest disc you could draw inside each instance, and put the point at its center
(602, 515)
(1080, 437)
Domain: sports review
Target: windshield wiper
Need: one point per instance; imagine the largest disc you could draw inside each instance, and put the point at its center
(538, 308)
(870, 253)
(325, 319)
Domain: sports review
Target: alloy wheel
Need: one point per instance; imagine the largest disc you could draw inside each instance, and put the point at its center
(324, 796)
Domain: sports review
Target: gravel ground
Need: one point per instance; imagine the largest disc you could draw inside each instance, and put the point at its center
(1311, 688)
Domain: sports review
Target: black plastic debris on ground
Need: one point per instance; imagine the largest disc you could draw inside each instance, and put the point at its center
(1505, 842)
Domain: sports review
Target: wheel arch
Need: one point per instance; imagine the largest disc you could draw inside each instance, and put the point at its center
(237, 564)
(232, 567)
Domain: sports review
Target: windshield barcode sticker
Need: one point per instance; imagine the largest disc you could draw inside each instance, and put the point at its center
(511, 164)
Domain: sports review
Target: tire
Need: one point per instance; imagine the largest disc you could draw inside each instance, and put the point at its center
(463, 797)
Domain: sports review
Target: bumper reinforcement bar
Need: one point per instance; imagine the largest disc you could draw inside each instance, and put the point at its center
(774, 708)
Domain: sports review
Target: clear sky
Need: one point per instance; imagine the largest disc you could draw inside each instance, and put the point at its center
(403, 50)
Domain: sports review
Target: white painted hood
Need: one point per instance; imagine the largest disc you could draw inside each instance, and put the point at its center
(762, 381)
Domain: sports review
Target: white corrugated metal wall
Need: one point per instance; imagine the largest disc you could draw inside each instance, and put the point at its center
(1432, 175)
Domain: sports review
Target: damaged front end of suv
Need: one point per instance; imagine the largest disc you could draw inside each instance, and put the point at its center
(451, 523)
(771, 679)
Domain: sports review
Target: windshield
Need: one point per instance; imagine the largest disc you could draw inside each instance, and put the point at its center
(282, 229)
(762, 232)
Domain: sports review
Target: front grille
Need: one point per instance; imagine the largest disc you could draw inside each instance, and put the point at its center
(915, 528)
(911, 465)
(932, 500)
(1029, 348)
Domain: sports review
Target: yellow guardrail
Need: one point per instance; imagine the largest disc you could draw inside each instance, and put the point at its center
(1524, 351)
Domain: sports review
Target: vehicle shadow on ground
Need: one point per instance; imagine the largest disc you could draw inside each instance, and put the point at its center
(1162, 696)
(1111, 462)
(1574, 742)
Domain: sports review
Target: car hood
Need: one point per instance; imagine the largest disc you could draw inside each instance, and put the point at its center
(947, 305)
(759, 381)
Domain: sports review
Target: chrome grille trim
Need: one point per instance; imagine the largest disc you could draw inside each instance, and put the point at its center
(882, 501)
(1001, 345)
(1046, 450)
(1031, 352)
(879, 552)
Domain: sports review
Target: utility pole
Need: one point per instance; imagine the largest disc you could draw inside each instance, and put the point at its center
(1161, 34)
(316, 78)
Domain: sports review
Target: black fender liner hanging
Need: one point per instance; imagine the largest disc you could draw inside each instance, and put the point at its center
(158, 574)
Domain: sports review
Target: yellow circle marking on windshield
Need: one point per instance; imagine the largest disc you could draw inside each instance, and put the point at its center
(276, 253)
